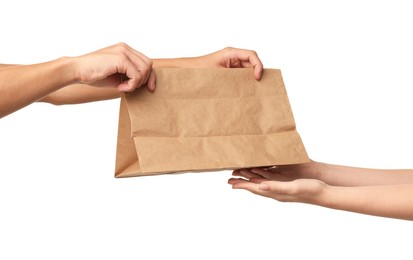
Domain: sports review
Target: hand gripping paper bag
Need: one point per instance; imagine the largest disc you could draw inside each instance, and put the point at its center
(204, 119)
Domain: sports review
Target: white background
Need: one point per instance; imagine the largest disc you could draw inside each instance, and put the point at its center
(348, 71)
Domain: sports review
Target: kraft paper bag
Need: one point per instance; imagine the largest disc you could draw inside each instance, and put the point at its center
(204, 119)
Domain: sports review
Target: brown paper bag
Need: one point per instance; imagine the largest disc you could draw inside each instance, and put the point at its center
(207, 119)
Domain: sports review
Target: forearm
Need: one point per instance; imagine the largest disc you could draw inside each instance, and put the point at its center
(79, 94)
(2, 66)
(393, 201)
(24, 84)
(352, 176)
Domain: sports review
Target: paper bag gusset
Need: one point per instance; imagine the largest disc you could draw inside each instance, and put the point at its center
(204, 119)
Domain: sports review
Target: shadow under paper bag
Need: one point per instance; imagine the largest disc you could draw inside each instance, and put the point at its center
(204, 119)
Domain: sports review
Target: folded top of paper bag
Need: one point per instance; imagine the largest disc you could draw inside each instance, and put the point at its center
(207, 119)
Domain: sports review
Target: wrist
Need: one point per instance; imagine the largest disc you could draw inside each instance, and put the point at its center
(320, 171)
(67, 69)
(325, 197)
(193, 62)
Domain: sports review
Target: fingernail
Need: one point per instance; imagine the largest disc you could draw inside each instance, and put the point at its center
(243, 171)
(151, 86)
(254, 170)
(259, 75)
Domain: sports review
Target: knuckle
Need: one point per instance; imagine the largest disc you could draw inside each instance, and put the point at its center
(295, 188)
(228, 49)
(121, 44)
(129, 88)
(121, 47)
(143, 70)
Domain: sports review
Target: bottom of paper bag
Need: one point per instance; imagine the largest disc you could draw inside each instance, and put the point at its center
(162, 154)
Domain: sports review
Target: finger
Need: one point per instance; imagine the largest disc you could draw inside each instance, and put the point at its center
(236, 173)
(251, 59)
(233, 181)
(147, 64)
(253, 173)
(245, 64)
(142, 57)
(142, 63)
(251, 187)
(134, 71)
(111, 81)
(257, 180)
(249, 174)
(256, 64)
(259, 170)
(240, 169)
(151, 81)
(135, 77)
(287, 166)
(263, 189)
(142, 67)
(275, 169)
(264, 173)
(258, 69)
(277, 187)
(246, 185)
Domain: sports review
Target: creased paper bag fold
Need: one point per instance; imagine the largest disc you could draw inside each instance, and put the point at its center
(207, 119)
